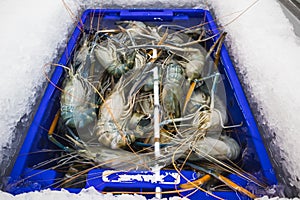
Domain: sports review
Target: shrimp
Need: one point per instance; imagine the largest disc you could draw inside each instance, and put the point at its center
(116, 111)
(221, 148)
(194, 64)
(173, 83)
(115, 63)
(78, 107)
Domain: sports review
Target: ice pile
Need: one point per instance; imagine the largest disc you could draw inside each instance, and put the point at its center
(90, 193)
(32, 33)
(158, 4)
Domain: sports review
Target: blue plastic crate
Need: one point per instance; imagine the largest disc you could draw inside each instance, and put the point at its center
(24, 178)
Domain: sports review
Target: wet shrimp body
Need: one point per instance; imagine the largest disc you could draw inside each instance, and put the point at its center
(77, 107)
(173, 82)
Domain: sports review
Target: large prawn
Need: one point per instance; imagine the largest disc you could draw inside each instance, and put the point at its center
(173, 84)
(117, 109)
(78, 106)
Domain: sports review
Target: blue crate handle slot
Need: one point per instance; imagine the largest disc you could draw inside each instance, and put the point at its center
(168, 180)
(156, 15)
